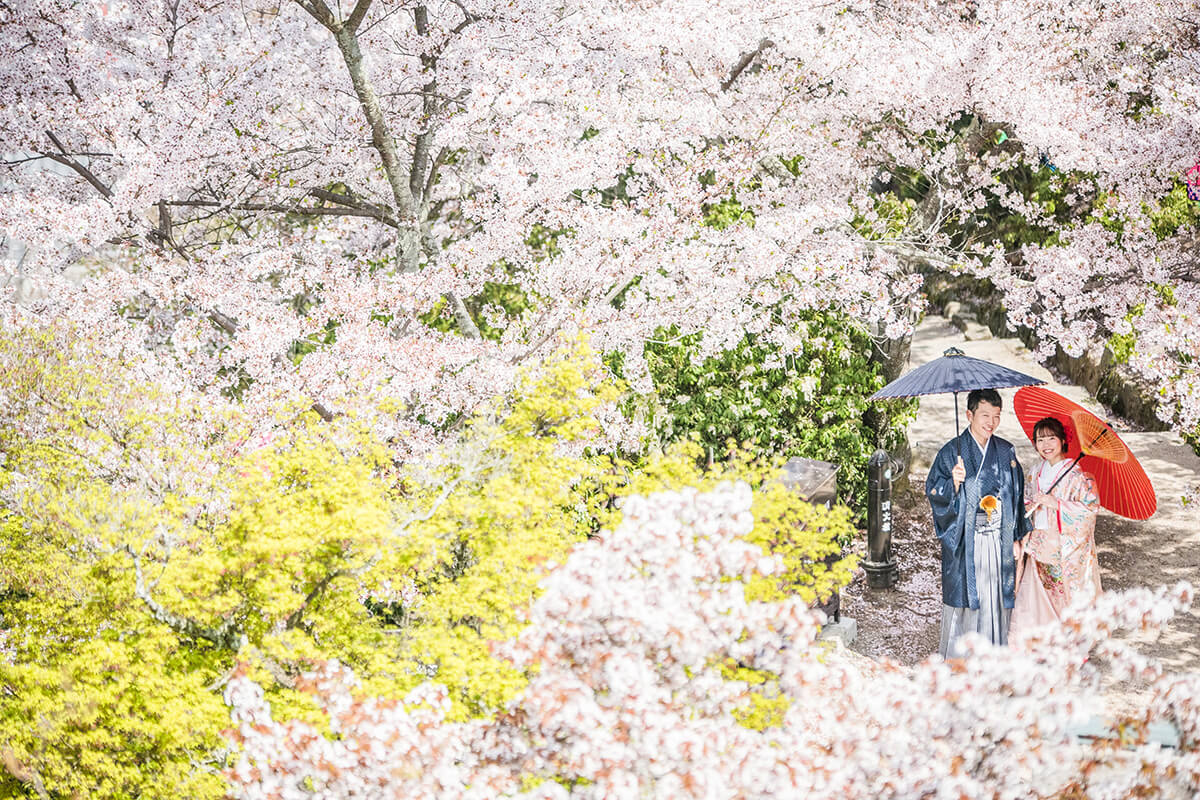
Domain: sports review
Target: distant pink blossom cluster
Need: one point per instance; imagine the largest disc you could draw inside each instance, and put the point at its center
(626, 696)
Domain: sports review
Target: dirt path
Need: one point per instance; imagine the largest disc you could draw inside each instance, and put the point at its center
(902, 623)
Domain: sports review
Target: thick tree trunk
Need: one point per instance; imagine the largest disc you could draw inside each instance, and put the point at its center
(408, 236)
(407, 184)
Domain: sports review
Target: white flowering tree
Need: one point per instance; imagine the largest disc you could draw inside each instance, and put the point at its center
(274, 200)
(237, 185)
(629, 698)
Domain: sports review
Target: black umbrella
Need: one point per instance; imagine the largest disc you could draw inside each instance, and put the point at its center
(954, 372)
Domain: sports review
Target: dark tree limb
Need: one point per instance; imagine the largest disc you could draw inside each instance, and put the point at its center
(744, 62)
(26, 774)
(223, 322)
(318, 589)
(356, 16)
(362, 210)
(64, 157)
(349, 201)
(320, 12)
(226, 635)
(432, 177)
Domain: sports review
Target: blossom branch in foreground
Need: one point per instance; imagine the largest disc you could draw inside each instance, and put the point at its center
(629, 696)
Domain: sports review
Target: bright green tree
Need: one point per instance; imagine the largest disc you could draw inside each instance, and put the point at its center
(808, 403)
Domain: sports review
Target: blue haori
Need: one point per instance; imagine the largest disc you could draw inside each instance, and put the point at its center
(991, 619)
(995, 472)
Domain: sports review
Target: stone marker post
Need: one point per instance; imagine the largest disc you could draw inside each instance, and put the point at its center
(816, 482)
(880, 566)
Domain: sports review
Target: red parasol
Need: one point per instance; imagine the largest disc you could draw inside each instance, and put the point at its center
(1121, 482)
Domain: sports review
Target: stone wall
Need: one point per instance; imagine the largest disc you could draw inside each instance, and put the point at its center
(968, 301)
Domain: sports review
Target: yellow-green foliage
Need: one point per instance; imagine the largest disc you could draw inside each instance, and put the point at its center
(480, 556)
(533, 493)
(291, 553)
(765, 706)
(803, 535)
(111, 681)
(113, 689)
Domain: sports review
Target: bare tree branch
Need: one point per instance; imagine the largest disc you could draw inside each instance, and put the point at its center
(65, 158)
(421, 161)
(319, 587)
(911, 254)
(462, 316)
(14, 162)
(356, 16)
(225, 323)
(350, 201)
(277, 671)
(320, 12)
(744, 62)
(469, 16)
(163, 232)
(225, 635)
(424, 139)
(409, 235)
(431, 178)
(359, 210)
(23, 773)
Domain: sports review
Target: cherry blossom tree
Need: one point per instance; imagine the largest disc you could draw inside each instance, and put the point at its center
(629, 698)
(271, 199)
(273, 202)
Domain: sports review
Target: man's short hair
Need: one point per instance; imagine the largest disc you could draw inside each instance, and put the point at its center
(990, 396)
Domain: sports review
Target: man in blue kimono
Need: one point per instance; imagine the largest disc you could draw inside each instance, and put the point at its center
(976, 489)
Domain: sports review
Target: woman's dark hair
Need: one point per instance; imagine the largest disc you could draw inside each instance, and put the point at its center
(1053, 427)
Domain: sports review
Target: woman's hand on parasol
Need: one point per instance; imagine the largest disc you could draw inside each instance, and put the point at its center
(1046, 501)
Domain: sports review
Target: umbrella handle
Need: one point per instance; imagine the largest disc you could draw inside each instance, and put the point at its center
(957, 433)
(1064, 474)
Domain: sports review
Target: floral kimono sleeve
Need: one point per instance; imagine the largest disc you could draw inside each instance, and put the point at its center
(1077, 509)
(1043, 543)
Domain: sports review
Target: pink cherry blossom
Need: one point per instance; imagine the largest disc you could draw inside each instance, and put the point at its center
(212, 183)
(626, 697)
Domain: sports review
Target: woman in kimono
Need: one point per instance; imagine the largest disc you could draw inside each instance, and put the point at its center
(1063, 541)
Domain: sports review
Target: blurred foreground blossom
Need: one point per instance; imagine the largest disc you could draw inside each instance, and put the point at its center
(628, 698)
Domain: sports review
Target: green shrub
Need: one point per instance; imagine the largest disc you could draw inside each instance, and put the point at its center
(809, 403)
